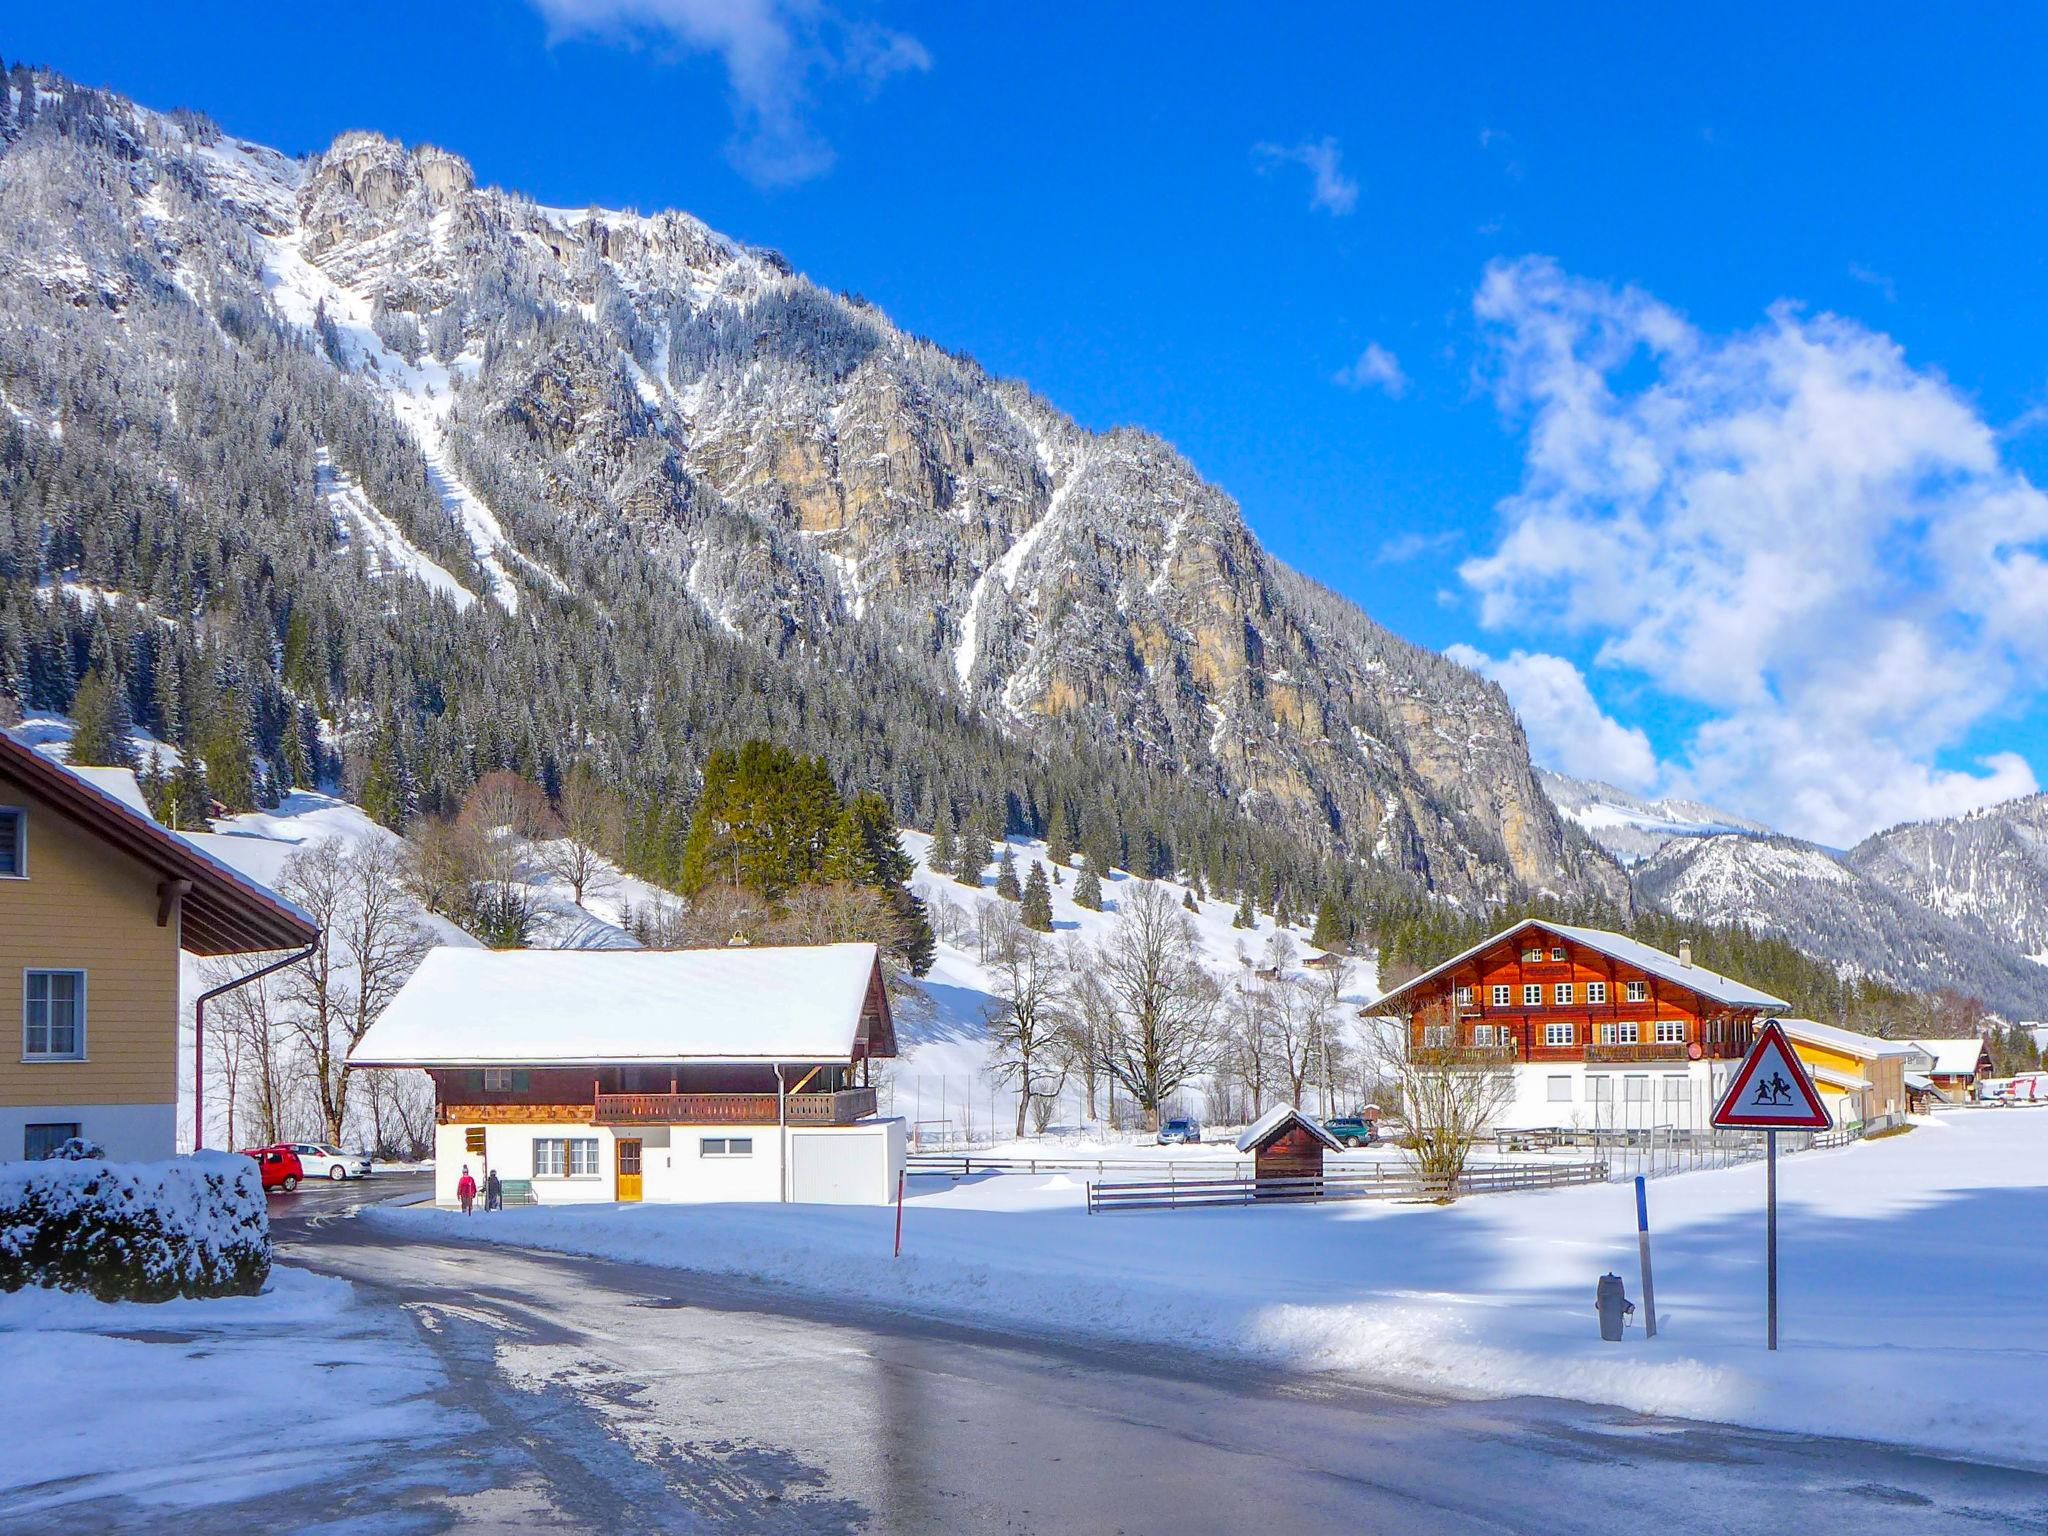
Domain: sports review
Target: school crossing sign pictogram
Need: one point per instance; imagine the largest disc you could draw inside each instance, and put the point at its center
(1771, 1090)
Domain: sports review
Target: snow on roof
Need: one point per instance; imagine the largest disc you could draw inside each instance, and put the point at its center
(1954, 1058)
(1848, 1041)
(1919, 1083)
(119, 783)
(1644, 957)
(1828, 1077)
(1262, 1129)
(474, 1006)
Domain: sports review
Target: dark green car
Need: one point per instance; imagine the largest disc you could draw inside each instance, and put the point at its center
(1352, 1130)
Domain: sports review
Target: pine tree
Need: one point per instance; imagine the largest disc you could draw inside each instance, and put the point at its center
(847, 854)
(942, 854)
(1059, 834)
(1088, 889)
(1187, 899)
(191, 797)
(100, 710)
(1245, 918)
(1006, 876)
(973, 856)
(1329, 930)
(1038, 900)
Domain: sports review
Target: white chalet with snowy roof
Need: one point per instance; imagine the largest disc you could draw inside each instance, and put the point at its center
(671, 1075)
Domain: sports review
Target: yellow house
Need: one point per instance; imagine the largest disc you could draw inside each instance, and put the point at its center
(96, 902)
(1860, 1077)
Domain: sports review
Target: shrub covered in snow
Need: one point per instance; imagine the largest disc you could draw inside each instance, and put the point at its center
(194, 1226)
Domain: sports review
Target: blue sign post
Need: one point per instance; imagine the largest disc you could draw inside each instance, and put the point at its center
(1643, 1248)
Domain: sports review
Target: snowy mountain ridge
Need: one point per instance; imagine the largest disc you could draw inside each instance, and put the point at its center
(589, 387)
(1633, 827)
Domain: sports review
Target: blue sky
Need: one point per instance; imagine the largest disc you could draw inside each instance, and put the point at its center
(1688, 374)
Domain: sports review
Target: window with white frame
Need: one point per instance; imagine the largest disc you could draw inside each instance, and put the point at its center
(1671, 1031)
(1637, 1087)
(1557, 953)
(1436, 1037)
(1638, 991)
(1600, 1088)
(1557, 1034)
(1464, 997)
(1596, 991)
(565, 1157)
(1560, 1089)
(1502, 996)
(53, 1016)
(1562, 994)
(1531, 956)
(13, 842)
(1532, 995)
(1609, 1032)
(1482, 1034)
(725, 1146)
(1631, 1032)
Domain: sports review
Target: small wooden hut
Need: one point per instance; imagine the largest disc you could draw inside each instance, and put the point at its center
(1287, 1144)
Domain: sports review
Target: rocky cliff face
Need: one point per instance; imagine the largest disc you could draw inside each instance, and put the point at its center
(1988, 870)
(580, 379)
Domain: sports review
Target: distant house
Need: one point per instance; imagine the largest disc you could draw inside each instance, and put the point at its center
(1956, 1067)
(671, 1075)
(96, 902)
(1861, 1078)
(1601, 1031)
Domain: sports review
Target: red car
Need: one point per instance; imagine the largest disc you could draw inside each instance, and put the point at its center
(279, 1166)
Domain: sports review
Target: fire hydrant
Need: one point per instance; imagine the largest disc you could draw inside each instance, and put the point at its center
(1615, 1309)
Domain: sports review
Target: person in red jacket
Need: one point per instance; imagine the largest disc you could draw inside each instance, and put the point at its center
(465, 1190)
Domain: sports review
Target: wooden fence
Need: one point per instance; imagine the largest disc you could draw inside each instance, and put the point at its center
(1389, 1182)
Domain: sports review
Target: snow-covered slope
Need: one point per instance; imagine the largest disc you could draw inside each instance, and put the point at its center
(1987, 870)
(1632, 827)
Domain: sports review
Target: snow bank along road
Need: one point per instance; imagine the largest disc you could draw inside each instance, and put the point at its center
(1911, 1281)
(594, 1395)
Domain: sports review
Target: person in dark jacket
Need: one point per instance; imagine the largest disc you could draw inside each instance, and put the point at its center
(465, 1190)
(494, 1192)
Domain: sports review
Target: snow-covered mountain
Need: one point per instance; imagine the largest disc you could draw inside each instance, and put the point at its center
(584, 417)
(1988, 869)
(1633, 827)
(1835, 909)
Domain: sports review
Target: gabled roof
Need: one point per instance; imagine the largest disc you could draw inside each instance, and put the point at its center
(1276, 1120)
(1644, 957)
(593, 1007)
(223, 911)
(1954, 1058)
(1832, 1037)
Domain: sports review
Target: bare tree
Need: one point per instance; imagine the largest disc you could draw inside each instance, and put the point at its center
(1029, 1016)
(1151, 1004)
(831, 912)
(590, 827)
(1248, 1028)
(1450, 1090)
(250, 1048)
(1299, 1016)
(370, 942)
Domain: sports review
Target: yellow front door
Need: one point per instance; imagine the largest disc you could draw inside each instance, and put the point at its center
(629, 1169)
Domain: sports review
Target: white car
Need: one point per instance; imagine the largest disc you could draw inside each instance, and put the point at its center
(323, 1160)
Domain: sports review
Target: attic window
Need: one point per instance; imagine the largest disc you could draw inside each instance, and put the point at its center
(1557, 953)
(13, 843)
(1531, 956)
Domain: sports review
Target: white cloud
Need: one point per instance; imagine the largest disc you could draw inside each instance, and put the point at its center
(1376, 368)
(772, 50)
(1791, 529)
(1329, 188)
(1567, 728)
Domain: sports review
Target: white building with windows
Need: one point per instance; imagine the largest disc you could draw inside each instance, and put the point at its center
(676, 1075)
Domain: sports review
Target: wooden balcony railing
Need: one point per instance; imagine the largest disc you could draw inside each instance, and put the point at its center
(841, 1108)
(1651, 1050)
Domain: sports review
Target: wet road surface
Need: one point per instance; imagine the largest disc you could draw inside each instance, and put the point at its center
(623, 1398)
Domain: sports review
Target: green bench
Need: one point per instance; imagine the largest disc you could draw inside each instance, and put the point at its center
(517, 1191)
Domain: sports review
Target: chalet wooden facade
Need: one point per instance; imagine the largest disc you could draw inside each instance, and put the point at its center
(727, 1074)
(1599, 1029)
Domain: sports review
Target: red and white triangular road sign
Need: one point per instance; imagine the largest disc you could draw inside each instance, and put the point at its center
(1771, 1091)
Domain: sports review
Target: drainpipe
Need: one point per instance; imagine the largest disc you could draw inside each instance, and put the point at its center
(199, 1035)
(781, 1137)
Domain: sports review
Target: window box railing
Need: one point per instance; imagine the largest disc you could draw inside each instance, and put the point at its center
(840, 1108)
(1648, 1050)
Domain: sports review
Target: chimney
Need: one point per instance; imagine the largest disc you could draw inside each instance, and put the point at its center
(1685, 951)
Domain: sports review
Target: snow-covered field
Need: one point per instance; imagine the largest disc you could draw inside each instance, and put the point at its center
(1910, 1281)
(191, 1403)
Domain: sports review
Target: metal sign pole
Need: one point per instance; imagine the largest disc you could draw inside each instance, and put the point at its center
(1643, 1248)
(1771, 1233)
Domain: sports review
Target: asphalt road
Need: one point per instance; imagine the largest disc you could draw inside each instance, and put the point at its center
(623, 1398)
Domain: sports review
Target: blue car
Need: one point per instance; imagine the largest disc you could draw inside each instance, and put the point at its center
(1179, 1131)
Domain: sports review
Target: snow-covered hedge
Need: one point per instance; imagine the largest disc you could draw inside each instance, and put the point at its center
(194, 1226)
